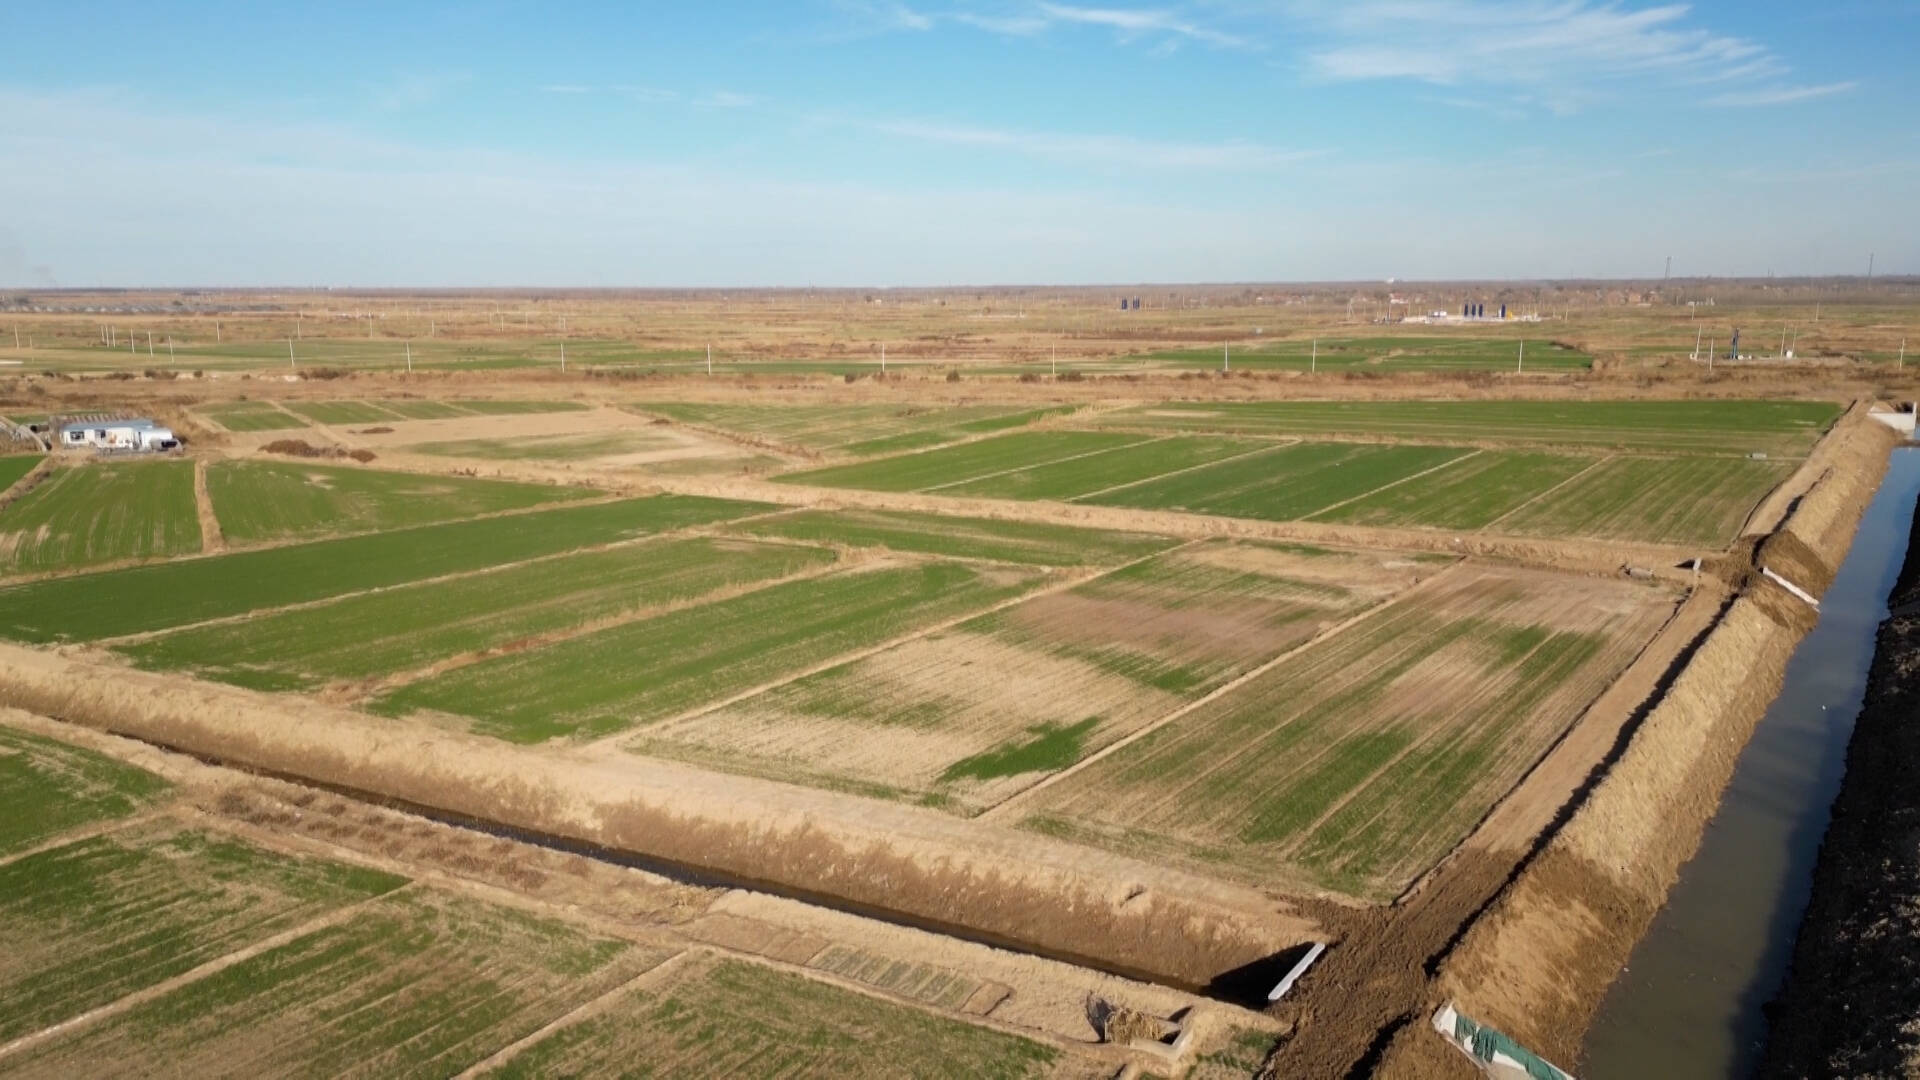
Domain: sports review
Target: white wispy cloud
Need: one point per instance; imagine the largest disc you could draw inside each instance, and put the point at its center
(1104, 150)
(1452, 42)
(1158, 25)
(1779, 95)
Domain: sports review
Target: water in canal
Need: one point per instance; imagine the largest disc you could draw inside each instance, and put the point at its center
(1690, 1003)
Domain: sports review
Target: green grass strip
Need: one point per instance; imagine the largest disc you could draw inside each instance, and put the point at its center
(145, 598)
(49, 787)
(960, 537)
(379, 633)
(648, 670)
(102, 511)
(276, 500)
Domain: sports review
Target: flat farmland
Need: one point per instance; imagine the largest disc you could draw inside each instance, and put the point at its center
(252, 416)
(342, 412)
(501, 407)
(369, 635)
(1030, 543)
(49, 787)
(423, 409)
(101, 511)
(1676, 500)
(1783, 428)
(258, 501)
(857, 430)
(724, 1018)
(965, 717)
(141, 599)
(1381, 354)
(15, 466)
(417, 984)
(91, 921)
(1355, 764)
(1094, 473)
(1472, 493)
(583, 447)
(646, 671)
(933, 469)
(1285, 483)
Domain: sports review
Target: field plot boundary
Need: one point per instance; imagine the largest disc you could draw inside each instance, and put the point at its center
(1447, 464)
(212, 967)
(1067, 580)
(936, 488)
(1012, 803)
(1088, 496)
(1537, 496)
(923, 865)
(706, 529)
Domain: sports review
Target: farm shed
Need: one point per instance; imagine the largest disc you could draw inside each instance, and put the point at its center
(137, 435)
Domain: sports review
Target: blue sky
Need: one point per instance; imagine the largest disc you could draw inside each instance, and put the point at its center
(866, 142)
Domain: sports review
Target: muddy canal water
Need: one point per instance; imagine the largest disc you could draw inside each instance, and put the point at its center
(1690, 1003)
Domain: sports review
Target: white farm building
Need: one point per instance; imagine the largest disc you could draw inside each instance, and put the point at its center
(139, 436)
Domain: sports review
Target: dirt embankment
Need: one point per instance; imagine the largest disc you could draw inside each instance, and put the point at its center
(924, 866)
(1537, 963)
(1851, 1004)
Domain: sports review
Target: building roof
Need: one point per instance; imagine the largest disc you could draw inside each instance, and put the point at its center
(137, 423)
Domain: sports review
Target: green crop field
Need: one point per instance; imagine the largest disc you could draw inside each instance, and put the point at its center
(933, 469)
(1095, 473)
(102, 511)
(414, 985)
(272, 500)
(966, 717)
(1284, 483)
(1382, 354)
(1778, 427)
(49, 787)
(1470, 494)
(959, 537)
(731, 1019)
(580, 447)
(423, 410)
(488, 407)
(88, 922)
(15, 466)
(1667, 500)
(402, 629)
(854, 429)
(649, 670)
(1358, 762)
(145, 598)
(252, 416)
(342, 412)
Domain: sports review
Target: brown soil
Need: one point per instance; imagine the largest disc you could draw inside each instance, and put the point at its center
(921, 863)
(1537, 962)
(1851, 1003)
(211, 540)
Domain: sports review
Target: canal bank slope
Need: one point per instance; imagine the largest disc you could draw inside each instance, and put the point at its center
(1537, 961)
(1851, 1005)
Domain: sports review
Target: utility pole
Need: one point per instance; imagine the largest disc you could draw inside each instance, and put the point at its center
(1710, 346)
(149, 344)
(1669, 274)
(169, 348)
(409, 357)
(216, 331)
(1783, 341)
(883, 358)
(290, 353)
(709, 357)
(563, 358)
(1902, 362)
(1313, 360)
(1520, 365)
(16, 337)
(1869, 267)
(369, 328)
(1056, 360)
(1226, 361)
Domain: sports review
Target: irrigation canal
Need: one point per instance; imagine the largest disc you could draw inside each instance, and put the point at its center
(1691, 1002)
